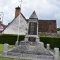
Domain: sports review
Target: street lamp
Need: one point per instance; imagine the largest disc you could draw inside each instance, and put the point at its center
(1, 16)
(1, 21)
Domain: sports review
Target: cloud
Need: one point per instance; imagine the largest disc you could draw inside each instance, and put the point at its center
(45, 9)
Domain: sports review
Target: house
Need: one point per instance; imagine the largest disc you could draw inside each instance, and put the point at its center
(20, 21)
(12, 27)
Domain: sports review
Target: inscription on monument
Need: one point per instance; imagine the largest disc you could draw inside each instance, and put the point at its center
(32, 28)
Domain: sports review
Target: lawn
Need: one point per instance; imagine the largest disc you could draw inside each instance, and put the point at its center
(1, 47)
(12, 59)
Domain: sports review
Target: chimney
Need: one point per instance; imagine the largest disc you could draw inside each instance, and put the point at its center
(17, 11)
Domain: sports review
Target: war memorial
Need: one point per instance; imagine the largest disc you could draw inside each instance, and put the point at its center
(31, 48)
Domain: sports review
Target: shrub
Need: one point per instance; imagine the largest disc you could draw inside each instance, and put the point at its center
(53, 41)
(10, 39)
(58, 29)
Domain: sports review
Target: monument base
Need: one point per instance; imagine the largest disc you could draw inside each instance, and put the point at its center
(32, 38)
(30, 49)
(27, 49)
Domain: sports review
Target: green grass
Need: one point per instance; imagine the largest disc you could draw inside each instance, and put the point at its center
(1, 47)
(12, 59)
(58, 29)
(59, 53)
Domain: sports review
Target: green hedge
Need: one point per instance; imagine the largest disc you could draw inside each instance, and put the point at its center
(11, 39)
(53, 41)
(58, 29)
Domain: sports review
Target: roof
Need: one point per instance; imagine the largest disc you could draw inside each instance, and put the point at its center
(15, 18)
(33, 15)
(40, 20)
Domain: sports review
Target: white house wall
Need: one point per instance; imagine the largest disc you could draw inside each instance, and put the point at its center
(13, 27)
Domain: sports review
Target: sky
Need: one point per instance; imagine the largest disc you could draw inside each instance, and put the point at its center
(45, 9)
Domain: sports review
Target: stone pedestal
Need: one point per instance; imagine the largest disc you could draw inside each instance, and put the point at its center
(6, 48)
(37, 39)
(56, 55)
(26, 38)
(32, 36)
(48, 46)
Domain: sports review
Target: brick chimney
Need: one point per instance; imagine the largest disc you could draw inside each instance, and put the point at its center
(17, 11)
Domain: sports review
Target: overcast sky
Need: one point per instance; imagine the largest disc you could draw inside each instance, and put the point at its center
(45, 9)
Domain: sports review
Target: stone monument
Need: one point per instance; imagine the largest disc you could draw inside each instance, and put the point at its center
(31, 47)
(32, 33)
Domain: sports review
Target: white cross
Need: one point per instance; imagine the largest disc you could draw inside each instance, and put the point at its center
(19, 23)
(21, 3)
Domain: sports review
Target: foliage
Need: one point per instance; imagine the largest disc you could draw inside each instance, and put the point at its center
(58, 29)
(11, 39)
(53, 41)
